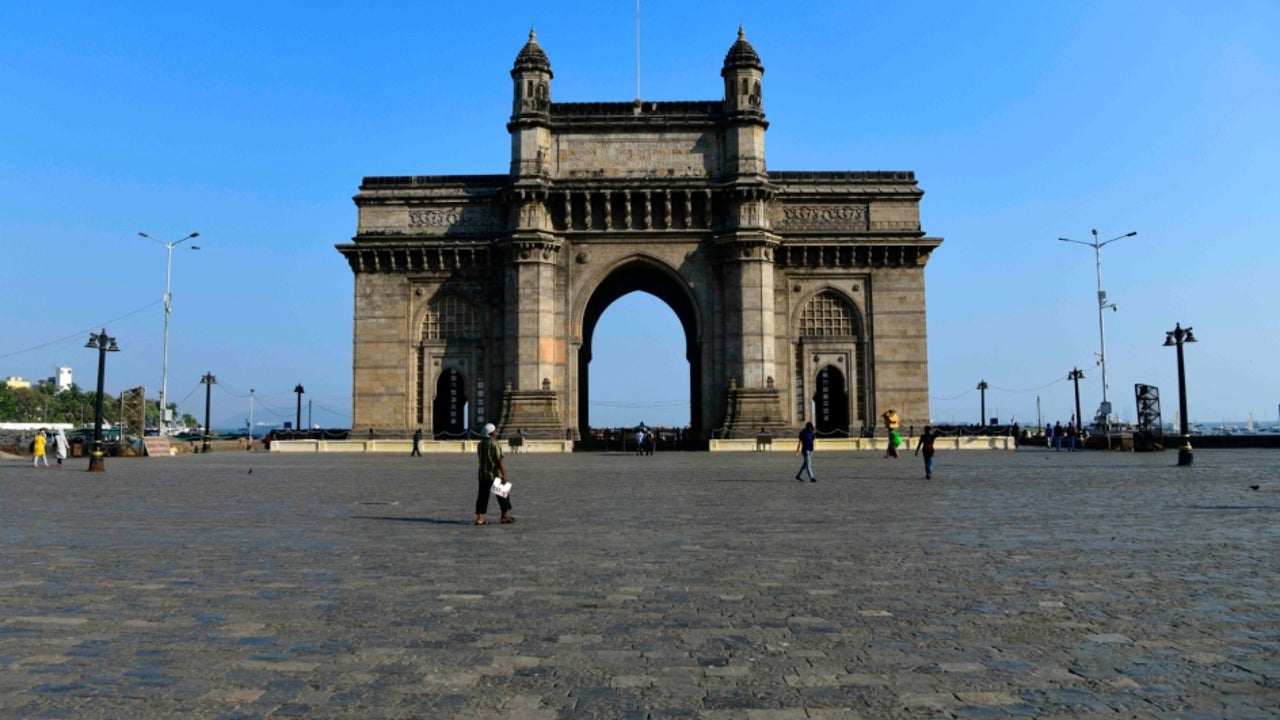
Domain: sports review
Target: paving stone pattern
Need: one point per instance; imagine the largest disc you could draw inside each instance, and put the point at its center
(682, 585)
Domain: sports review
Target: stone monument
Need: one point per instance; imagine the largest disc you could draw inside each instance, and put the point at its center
(801, 294)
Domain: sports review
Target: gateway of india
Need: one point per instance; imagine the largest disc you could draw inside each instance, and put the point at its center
(801, 293)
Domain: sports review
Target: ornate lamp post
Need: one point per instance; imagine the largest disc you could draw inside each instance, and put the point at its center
(104, 345)
(298, 420)
(168, 296)
(982, 389)
(1175, 338)
(209, 381)
(1104, 411)
(1076, 375)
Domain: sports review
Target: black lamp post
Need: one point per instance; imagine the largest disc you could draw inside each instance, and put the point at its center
(298, 420)
(982, 388)
(209, 381)
(1175, 338)
(1076, 375)
(104, 345)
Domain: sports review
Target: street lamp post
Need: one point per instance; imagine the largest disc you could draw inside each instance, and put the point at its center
(1176, 338)
(1076, 375)
(209, 381)
(168, 298)
(104, 345)
(298, 420)
(1104, 410)
(982, 389)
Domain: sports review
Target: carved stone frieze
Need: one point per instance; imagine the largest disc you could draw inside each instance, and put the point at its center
(819, 217)
(459, 220)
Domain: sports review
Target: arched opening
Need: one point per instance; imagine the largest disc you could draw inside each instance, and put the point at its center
(643, 276)
(831, 403)
(449, 408)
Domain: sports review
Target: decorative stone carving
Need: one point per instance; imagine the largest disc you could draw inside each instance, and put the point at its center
(820, 217)
(455, 219)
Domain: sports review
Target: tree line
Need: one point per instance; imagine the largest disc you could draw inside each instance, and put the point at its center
(44, 403)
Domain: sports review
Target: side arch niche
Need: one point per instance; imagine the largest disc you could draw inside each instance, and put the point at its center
(448, 365)
(831, 365)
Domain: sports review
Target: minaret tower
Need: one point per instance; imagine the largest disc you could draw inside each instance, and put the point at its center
(746, 249)
(534, 365)
(744, 105)
(531, 110)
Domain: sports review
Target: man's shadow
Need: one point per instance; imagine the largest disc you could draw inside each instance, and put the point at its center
(432, 521)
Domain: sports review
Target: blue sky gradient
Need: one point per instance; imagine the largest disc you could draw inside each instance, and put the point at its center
(253, 123)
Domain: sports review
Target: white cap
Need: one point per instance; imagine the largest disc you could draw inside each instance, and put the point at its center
(489, 429)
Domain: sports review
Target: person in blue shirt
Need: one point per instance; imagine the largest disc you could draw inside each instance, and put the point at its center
(805, 446)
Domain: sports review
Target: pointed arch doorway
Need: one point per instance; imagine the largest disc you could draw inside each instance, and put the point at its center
(648, 276)
(831, 403)
(449, 408)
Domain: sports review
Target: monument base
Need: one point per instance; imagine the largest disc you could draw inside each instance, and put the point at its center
(753, 412)
(533, 411)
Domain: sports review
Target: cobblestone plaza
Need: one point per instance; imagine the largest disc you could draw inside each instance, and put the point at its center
(683, 585)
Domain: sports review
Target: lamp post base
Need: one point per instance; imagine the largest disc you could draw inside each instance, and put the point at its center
(1185, 456)
(97, 463)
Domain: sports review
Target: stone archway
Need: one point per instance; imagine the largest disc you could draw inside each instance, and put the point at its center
(644, 275)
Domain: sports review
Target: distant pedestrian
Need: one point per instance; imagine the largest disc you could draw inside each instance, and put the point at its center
(639, 441)
(926, 444)
(38, 445)
(650, 441)
(61, 448)
(417, 438)
(805, 446)
(1048, 435)
(1058, 433)
(1071, 437)
(520, 440)
(491, 467)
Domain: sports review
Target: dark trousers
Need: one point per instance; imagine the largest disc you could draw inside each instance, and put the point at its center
(482, 498)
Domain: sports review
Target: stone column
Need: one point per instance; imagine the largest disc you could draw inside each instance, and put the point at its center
(535, 341)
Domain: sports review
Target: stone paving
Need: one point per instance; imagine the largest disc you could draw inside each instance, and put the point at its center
(683, 585)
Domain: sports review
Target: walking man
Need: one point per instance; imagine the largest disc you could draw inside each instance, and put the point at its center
(491, 467)
(805, 446)
(926, 444)
(417, 438)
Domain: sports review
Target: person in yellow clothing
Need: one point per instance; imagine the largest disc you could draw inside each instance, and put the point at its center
(38, 454)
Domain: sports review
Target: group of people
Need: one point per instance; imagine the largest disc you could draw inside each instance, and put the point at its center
(44, 443)
(1057, 434)
(924, 445)
(645, 441)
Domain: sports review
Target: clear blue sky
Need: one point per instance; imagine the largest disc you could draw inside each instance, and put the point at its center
(253, 123)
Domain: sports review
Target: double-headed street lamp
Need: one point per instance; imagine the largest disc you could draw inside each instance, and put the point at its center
(1104, 411)
(298, 420)
(168, 297)
(982, 391)
(104, 345)
(1175, 338)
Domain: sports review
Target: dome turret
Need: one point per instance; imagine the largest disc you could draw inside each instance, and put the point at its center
(742, 55)
(532, 57)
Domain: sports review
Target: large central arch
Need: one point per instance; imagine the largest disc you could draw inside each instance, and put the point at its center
(642, 274)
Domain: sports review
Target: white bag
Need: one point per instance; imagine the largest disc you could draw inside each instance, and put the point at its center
(501, 489)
